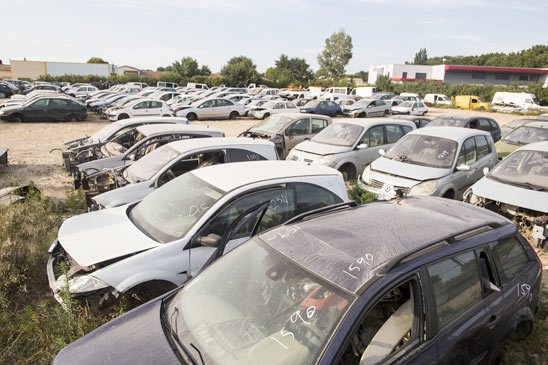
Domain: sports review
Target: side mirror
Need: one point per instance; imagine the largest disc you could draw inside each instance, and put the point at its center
(464, 168)
(362, 146)
(382, 151)
(131, 157)
(486, 170)
(211, 240)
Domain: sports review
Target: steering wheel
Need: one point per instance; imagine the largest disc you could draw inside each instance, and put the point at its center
(170, 175)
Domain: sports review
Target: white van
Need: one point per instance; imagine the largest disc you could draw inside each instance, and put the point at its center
(193, 85)
(173, 85)
(507, 101)
(437, 99)
(364, 91)
(335, 93)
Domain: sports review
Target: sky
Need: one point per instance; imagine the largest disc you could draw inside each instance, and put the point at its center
(152, 33)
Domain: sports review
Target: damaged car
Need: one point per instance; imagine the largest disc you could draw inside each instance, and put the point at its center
(530, 132)
(82, 149)
(159, 243)
(518, 188)
(335, 286)
(174, 159)
(288, 129)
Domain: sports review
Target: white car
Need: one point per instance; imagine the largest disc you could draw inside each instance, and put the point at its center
(410, 108)
(365, 108)
(177, 230)
(436, 161)
(211, 108)
(140, 108)
(518, 188)
(351, 145)
(82, 90)
(437, 99)
(273, 107)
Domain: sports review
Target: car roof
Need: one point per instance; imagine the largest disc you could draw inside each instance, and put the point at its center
(409, 117)
(230, 176)
(376, 233)
(151, 129)
(537, 146)
(295, 115)
(196, 143)
(460, 117)
(458, 134)
(156, 119)
(536, 123)
(369, 122)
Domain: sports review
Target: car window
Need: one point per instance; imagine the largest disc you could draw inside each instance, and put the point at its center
(155, 105)
(141, 105)
(197, 160)
(376, 136)
(380, 103)
(298, 128)
(318, 124)
(237, 154)
(468, 152)
(290, 106)
(278, 106)
(482, 146)
(208, 104)
(393, 323)
(510, 258)
(311, 197)
(423, 122)
(484, 125)
(494, 125)
(59, 103)
(456, 285)
(42, 103)
(406, 129)
(393, 133)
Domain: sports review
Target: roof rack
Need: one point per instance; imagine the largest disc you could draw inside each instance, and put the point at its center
(329, 208)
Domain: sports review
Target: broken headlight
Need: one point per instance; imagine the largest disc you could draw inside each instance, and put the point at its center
(424, 188)
(86, 283)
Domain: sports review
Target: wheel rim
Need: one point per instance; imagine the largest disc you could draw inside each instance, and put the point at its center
(2, 95)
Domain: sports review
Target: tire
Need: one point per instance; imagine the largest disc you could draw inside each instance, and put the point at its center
(449, 194)
(72, 118)
(233, 115)
(348, 171)
(123, 116)
(146, 291)
(362, 115)
(266, 115)
(191, 116)
(2, 95)
(386, 113)
(166, 116)
(17, 118)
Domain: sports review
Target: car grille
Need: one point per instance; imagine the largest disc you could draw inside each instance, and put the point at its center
(376, 184)
(308, 160)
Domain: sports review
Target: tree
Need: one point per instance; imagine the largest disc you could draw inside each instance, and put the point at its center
(205, 71)
(289, 70)
(161, 69)
(420, 57)
(96, 60)
(336, 54)
(240, 70)
(362, 75)
(384, 83)
(188, 67)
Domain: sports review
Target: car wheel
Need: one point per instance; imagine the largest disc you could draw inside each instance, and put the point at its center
(2, 95)
(166, 116)
(72, 118)
(234, 115)
(123, 116)
(386, 113)
(348, 172)
(17, 118)
(449, 194)
(144, 292)
(362, 115)
(191, 116)
(266, 115)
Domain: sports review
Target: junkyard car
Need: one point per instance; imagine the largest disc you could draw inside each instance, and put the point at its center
(272, 107)
(213, 108)
(410, 108)
(510, 126)
(141, 108)
(323, 107)
(288, 129)
(340, 288)
(349, 146)
(518, 188)
(468, 121)
(174, 159)
(82, 150)
(438, 161)
(368, 108)
(162, 241)
(45, 108)
(531, 132)
(418, 120)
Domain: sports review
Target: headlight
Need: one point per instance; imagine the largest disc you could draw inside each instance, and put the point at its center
(367, 176)
(424, 188)
(85, 283)
(325, 160)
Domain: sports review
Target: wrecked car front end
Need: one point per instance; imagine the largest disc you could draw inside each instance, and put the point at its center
(79, 155)
(276, 138)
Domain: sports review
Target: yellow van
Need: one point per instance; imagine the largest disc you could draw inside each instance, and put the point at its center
(470, 102)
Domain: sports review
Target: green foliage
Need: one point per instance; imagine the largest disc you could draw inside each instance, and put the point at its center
(364, 75)
(421, 58)
(360, 195)
(96, 60)
(384, 83)
(289, 71)
(336, 54)
(188, 67)
(240, 71)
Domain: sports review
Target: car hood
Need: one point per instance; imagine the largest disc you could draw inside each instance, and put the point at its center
(95, 237)
(511, 194)
(125, 195)
(407, 170)
(401, 108)
(11, 108)
(504, 149)
(137, 337)
(321, 148)
(95, 166)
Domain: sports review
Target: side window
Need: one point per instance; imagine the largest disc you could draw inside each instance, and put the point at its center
(142, 105)
(393, 133)
(236, 154)
(494, 125)
(278, 106)
(207, 104)
(311, 197)
(474, 101)
(290, 106)
(376, 136)
(510, 258)
(42, 103)
(192, 162)
(482, 146)
(406, 129)
(298, 128)
(155, 104)
(468, 152)
(456, 285)
(423, 122)
(484, 125)
(318, 125)
(390, 328)
(59, 103)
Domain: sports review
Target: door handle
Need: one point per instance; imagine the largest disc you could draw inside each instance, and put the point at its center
(493, 320)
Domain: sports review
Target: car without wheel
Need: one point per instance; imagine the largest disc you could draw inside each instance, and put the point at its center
(367, 108)
(288, 129)
(335, 286)
(167, 238)
(531, 132)
(468, 121)
(437, 161)
(350, 146)
(174, 159)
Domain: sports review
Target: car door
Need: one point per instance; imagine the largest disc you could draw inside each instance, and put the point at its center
(58, 109)
(296, 133)
(375, 139)
(140, 109)
(380, 107)
(155, 108)
(37, 111)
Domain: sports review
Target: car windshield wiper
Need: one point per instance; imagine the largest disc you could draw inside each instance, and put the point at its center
(413, 162)
(518, 183)
(171, 327)
(531, 186)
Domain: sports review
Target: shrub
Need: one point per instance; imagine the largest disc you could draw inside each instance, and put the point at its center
(360, 195)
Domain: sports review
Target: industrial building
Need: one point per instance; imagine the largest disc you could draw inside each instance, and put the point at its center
(455, 74)
(32, 70)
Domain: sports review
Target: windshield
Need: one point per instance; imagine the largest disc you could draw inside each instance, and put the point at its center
(104, 133)
(272, 124)
(339, 134)
(446, 122)
(254, 306)
(170, 211)
(526, 168)
(362, 102)
(312, 104)
(144, 168)
(424, 150)
(525, 135)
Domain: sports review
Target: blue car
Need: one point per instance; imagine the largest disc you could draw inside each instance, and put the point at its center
(324, 107)
(417, 280)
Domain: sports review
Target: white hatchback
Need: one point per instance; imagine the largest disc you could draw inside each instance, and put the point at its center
(140, 108)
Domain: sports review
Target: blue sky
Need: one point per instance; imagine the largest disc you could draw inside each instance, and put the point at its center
(152, 33)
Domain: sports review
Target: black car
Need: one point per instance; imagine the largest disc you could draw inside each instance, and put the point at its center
(419, 121)
(418, 280)
(468, 121)
(45, 109)
(40, 87)
(5, 91)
